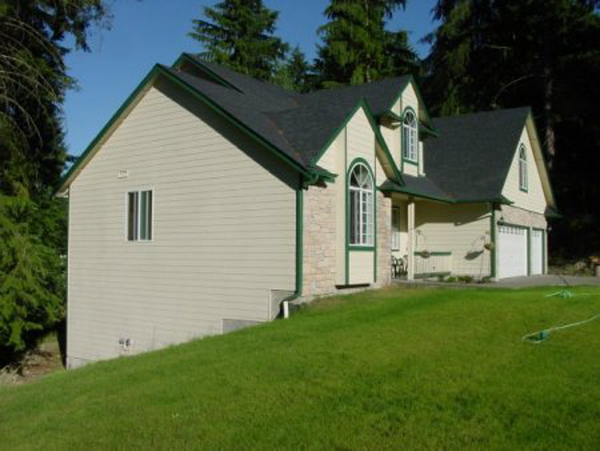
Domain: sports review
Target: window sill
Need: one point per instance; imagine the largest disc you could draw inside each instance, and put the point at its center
(414, 163)
(355, 247)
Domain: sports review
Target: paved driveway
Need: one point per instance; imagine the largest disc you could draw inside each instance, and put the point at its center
(535, 281)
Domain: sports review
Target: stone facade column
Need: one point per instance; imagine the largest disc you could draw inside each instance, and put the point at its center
(319, 275)
(411, 240)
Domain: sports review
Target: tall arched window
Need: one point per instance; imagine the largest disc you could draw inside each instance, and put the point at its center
(410, 139)
(523, 182)
(361, 195)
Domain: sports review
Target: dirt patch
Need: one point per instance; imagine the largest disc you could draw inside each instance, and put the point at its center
(43, 360)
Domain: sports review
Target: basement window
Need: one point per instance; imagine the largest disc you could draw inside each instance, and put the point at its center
(139, 215)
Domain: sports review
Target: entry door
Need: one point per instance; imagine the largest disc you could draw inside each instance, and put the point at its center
(512, 251)
(537, 252)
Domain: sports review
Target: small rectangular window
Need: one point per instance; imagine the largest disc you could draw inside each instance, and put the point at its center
(139, 216)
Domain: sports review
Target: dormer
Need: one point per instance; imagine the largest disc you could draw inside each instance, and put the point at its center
(404, 126)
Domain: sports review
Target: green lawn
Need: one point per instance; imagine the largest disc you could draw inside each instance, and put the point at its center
(393, 369)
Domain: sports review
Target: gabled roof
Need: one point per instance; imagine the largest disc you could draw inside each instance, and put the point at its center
(296, 126)
(473, 155)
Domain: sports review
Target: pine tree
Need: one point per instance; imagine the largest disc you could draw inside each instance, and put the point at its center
(33, 81)
(354, 41)
(294, 72)
(239, 34)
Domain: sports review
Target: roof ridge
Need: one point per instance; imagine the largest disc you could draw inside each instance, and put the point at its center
(482, 113)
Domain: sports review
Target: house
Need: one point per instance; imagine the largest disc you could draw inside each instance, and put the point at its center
(210, 198)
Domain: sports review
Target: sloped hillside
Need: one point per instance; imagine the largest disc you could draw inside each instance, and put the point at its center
(392, 369)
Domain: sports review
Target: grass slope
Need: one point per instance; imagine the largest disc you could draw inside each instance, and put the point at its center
(392, 369)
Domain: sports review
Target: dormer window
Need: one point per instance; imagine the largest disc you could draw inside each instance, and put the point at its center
(523, 182)
(410, 136)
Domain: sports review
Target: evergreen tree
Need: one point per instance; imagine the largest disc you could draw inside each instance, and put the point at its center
(239, 34)
(33, 81)
(294, 72)
(502, 53)
(355, 41)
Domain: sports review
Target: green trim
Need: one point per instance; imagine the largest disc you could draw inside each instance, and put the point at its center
(379, 138)
(79, 162)
(186, 57)
(493, 241)
(346, 227)
(408, 109)
(425, 275)
(411, 80)
(523, 150)
(299, 240)
(528, 251)
(433, 254)
(362, 103)
(425, 131)
(159, 70)
(375, 231)
(403, 190)
(354, 247)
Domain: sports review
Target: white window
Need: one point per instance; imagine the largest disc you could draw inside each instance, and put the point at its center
(523, 182)
(395, 229)
(361, 206)
(139, 216)
(410, 136)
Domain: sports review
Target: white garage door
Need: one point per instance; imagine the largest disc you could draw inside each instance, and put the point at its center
(537, 252)
(512, 251)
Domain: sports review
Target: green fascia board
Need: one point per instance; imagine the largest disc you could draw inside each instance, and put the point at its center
(159, 70)
(381, 140)
(362, 103)
(426, 131)
(115, 117)
(404, 190)
(186, 57)
(411, 80)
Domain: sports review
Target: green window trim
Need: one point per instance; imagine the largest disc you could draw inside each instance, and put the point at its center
(403, 138)
(352, 247)
(523, 169)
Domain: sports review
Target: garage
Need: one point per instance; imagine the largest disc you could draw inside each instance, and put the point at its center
(537, 252)
(512, 251)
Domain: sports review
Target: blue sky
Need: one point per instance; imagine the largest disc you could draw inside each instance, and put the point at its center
(155, 31)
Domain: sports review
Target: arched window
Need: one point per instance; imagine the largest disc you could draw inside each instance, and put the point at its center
(523, 182)
(410, 138)
(361, 195)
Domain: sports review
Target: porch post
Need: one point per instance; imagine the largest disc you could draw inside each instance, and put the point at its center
(411, 240)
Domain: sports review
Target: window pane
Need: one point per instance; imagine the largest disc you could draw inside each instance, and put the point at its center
(132, 214)
(149, 215)
(144, 216)
(354, 212)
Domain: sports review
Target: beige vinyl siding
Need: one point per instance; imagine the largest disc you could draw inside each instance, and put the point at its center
(460, 229)
(534, 199)
(361, 267)
(224, 231)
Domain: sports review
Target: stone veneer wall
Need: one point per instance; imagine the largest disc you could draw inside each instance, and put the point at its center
(319, 240)
(384, 240)
(319, 272)
(519, 216)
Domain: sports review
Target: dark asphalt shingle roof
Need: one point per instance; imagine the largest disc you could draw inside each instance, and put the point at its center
(469, 161)
(471, 158)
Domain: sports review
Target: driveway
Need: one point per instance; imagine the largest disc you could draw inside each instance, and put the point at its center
(547, 280)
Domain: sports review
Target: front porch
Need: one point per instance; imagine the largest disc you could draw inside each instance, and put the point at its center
(430, 239)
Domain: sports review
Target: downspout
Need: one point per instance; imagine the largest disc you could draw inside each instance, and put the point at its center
(299, 245)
